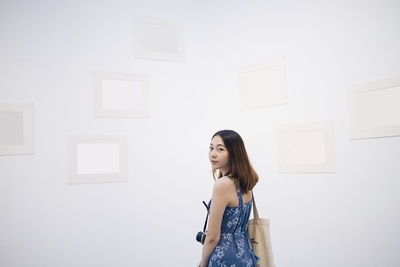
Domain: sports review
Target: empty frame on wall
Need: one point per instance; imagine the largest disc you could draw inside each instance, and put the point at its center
(97, 159)
(306, 147)
(374, 108)
(121, 95)
(263, 85)
(159, 39)
(16, 124)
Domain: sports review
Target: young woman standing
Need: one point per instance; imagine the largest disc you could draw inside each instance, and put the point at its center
(227, 242)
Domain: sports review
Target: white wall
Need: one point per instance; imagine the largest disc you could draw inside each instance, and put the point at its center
(48, 53)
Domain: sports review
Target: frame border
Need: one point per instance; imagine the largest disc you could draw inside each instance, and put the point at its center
(75, 178)
(100, 112)
(277, 62)
(328, 128)
(139, 52)
(27, 128)
(352, 91)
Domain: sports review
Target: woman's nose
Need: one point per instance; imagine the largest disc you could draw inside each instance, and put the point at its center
(212, 153)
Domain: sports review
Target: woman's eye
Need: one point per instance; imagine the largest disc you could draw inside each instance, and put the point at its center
(220, 149)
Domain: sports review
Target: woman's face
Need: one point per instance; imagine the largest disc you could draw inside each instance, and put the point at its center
(218, 154)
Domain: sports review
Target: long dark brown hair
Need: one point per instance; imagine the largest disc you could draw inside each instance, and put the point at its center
(239, 164)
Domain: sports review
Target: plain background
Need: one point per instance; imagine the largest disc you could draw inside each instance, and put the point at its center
(49, 50)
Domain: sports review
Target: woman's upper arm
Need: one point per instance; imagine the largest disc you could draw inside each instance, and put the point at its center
(218, 205)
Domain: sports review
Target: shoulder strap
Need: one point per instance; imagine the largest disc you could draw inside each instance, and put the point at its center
(239, 193)
(255, 211)
(240, 198)
(208, 213)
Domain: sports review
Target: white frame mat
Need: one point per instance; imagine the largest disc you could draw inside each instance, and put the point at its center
(75, 164)
(150, 32)
(307, 147)
(26, 130)
(132, 111)
(263, 84)
(374, 108)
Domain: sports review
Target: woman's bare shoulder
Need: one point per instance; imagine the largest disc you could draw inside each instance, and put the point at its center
(224, 184)
(225, 181)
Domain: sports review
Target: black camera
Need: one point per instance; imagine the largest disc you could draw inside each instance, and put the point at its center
(200, 237)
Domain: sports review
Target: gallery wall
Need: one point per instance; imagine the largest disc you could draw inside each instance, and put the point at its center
(345, 218)
(49, 52)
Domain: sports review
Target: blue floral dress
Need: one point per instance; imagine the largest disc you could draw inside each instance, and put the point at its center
(233, 248)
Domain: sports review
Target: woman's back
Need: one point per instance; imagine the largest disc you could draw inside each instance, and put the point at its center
(234, 247)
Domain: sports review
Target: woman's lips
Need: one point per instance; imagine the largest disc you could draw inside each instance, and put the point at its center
(213, 162)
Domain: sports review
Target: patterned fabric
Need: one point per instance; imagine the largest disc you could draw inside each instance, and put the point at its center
(233, 248)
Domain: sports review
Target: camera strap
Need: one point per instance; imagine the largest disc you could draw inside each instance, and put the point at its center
(208, 212)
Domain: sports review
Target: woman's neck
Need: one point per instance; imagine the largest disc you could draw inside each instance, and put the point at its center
(225, 172)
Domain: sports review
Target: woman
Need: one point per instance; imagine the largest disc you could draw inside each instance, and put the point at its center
(227, 242)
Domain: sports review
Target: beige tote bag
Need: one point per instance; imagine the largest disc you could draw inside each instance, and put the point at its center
(258, 230)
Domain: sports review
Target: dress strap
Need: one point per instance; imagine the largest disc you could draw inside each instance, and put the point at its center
(239, 193)
(240, 198)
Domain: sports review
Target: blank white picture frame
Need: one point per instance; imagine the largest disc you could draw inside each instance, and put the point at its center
(307, 147)
(97, 158)
(374, 108)
(159, 39)
(121, 95)
(16, 124)
(263, 84)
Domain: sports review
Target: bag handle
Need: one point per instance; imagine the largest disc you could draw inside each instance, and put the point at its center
(255, 211)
